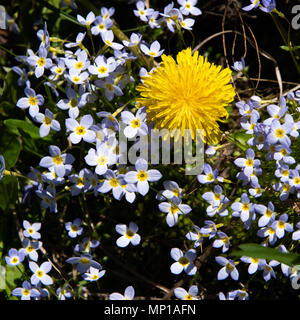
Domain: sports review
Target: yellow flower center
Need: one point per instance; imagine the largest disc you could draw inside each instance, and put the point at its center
(297, 180)
(74, 228)
(254, 260)
(229, 267)
(26, 292)
(188, 297)
(57, 160)
(84, 261)
(281, 224)
(76, 79)
(59, 70)
(30, 249)
(80, 182)
(32, 101)
(271, 231)
(41, 61)
(286, 188)
(47, 121)
(102, 70)
(285, 172)
(114, 182)
(142, 175)
(40, 273)
(173, 209)
(269, 213)
(79, 65)
(80, 130)
(109, 87)
(102, 160)
(249, 163)
(73, 103)
(184, 261)
(129, 234)
(217, 196)
(136, 123)
(279, 133)
(210, 177)
(14, 260)
(245, 207)
(94, 277)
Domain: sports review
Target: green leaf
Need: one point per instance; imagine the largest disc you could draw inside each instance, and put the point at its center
(15, 125)
(10, 148)
(285, 48)
(8, 192)
(239, 139)
(12, 274)
(254, 250)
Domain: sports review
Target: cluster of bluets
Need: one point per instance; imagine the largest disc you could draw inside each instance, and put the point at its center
(86, 79)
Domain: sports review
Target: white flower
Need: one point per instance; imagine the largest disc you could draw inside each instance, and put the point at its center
(103, 67)
(40, 273)
(80, 63)
(101, 25)
(93, 274)
(90, 18)
(154, 50)
(30, 248)
(188, 7)
(31, 230)
(112, 182)
(32, 101)
(182, 294)
(74, 228)
(77, 78)
(57, 160)
(129, 235)
(81, 130)
(78, 42)
(72, 103)
(110, 89)
(187, 23)
(108, 37)
(142, 175)
(134, 40)
(152, 20)
(172, 190)
(101, 158)
(40, 62)
(47, 122)
(141, 11)
(128, 294)
(135, 124)
(228, 269)
(173, 210)
(183, 261)
(107, 13)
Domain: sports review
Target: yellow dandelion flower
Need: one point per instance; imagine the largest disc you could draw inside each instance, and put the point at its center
(190, 94)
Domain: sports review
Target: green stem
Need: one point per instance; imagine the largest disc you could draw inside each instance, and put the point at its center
(286, 41)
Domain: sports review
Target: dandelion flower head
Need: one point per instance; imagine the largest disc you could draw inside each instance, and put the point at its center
(189, 93)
